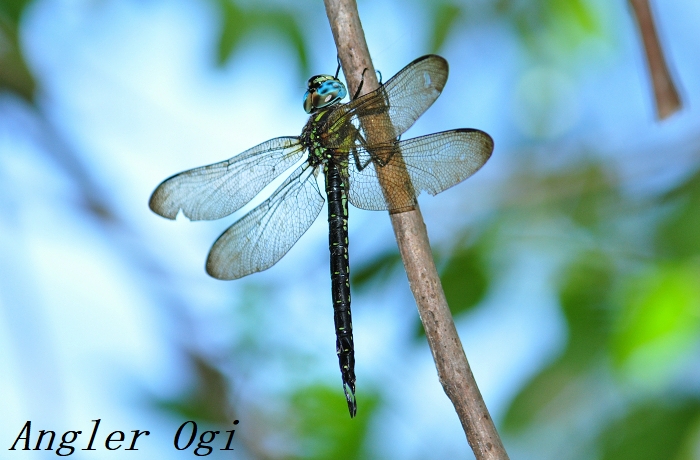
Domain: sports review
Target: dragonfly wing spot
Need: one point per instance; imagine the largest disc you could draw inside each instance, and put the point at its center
(427, 81)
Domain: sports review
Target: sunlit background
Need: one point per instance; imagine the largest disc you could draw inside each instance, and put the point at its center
(571, 261)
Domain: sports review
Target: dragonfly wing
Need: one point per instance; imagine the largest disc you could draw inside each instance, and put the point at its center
(434, 163)
(217, 190)
(260, 238)
(390, 110)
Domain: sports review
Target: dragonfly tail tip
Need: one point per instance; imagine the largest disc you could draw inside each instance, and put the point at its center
(350, 397)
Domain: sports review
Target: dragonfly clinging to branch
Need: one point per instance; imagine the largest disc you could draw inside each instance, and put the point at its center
(356, 147)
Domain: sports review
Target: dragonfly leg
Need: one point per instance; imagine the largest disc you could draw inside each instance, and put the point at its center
(360, 165)
(372, 158)
(362, 82)
(337, 71)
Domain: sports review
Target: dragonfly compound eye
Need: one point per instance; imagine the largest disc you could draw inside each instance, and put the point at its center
(324, 90)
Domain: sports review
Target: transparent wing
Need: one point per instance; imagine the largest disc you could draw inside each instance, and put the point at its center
(261, 237)
(217, 190)
(434, 163)
(389, 111)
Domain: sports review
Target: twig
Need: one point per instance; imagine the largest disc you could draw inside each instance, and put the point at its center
(667, 100)
(453, 369)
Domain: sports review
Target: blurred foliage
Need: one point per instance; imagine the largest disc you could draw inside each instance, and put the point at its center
(465, 279)
(15, 75)
(316, 419)
(240, 22)
(547, 28)
(322, 427)
(445, 19)
(633, 321)
(585, 297)
(377, 271)
(207, 399)
(677, 237)
(659, 318)
(563, 23)
(584, 193)
(654, 430)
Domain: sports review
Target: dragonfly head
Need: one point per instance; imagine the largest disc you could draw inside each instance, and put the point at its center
(324, 90)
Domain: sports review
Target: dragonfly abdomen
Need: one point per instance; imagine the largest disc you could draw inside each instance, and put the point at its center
(340, 278)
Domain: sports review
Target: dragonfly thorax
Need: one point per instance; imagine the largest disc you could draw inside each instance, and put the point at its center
(324, 90)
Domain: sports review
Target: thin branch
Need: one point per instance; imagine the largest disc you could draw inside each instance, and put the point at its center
(667, 100)
(453, 369)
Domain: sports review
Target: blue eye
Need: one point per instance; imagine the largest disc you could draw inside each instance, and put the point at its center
(323, 93)
(328, 87)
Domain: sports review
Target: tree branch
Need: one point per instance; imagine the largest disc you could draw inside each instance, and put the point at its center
(667, 100)
(411, 235)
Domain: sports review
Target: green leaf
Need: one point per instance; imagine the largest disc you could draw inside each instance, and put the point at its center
(12, 10)
(376, 271)
(556, 396)
(557, 26)
(15, 75)
(240, 23)
(677, 236)
(323, 427)
(444, 19)
(465, 280)
(233, 29)
(654, 431)
(576, 20)
(585, 297)
(660, 320)
(286, 24)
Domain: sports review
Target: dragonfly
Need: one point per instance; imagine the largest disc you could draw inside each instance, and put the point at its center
(356, 146)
